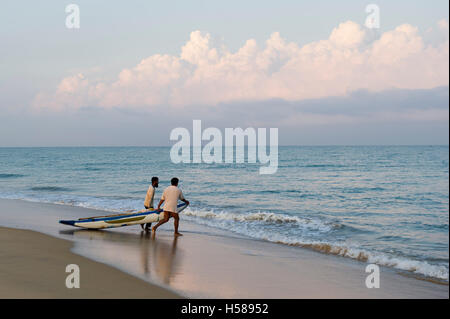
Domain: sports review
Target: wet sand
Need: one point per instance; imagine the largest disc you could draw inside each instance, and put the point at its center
(205, 262)
(33, 265)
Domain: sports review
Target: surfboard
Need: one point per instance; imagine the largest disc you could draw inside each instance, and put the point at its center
(119, 220)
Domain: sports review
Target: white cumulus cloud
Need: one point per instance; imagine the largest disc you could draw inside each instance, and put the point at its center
(203, 74)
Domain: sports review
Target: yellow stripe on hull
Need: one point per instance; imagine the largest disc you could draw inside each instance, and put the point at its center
(125, 220)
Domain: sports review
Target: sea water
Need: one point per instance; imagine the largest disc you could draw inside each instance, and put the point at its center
(381, 204)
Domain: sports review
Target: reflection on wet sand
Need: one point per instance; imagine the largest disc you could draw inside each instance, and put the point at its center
(158, 255)
(162, 256)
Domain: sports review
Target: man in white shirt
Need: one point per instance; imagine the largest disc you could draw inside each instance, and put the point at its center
(170, 196)
(148, 202)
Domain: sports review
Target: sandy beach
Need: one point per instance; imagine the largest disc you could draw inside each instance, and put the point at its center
(33, 266)
(202, 263)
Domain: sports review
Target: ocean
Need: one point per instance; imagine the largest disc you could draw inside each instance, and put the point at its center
(379, 204)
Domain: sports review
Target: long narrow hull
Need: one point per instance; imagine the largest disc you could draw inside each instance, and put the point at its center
(119, 220)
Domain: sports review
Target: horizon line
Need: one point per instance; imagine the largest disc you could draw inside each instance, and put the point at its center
(281, 145)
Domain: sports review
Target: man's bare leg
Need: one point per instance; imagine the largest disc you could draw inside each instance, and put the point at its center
(176, 221)
(163, 221)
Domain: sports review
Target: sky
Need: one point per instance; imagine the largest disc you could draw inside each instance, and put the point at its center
(135, 70)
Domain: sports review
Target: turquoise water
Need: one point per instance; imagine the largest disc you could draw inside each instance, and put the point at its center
(382, 204)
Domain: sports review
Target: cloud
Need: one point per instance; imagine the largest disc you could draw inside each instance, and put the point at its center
(443, 25)
(347, 35)
(396, 116)
(205, 74)
(359, 107)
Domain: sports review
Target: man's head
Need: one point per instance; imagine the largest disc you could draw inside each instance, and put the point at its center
(155, 181)
(174, 181)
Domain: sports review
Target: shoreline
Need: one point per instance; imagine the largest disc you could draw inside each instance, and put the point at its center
(208, 263)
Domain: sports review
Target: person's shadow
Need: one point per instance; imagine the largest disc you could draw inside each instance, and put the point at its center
(159, 258)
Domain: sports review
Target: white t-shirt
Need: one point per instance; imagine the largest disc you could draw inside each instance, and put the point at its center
(148, 202)
(171, 195)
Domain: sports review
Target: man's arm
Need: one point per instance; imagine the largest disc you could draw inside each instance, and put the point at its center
(160, 203)
(182, 198)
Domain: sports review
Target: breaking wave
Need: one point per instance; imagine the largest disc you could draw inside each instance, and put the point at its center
(268, 218)
(304, 230)
(418, 267)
